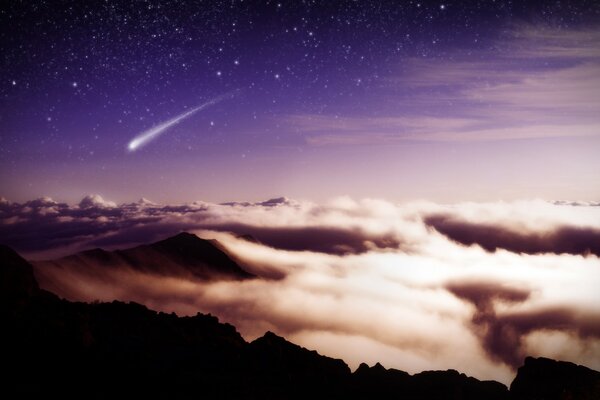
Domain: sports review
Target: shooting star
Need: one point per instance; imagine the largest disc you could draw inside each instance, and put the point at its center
(147, 136)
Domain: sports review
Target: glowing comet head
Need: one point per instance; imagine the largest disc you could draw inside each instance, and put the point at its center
(146, 136)
(132, 145)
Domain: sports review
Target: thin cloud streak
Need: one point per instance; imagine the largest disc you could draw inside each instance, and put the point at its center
(478, 101)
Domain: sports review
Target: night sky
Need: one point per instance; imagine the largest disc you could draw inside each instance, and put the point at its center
(405, 167)
(444, 101)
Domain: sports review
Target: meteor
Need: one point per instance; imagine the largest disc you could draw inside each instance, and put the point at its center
(145, 137)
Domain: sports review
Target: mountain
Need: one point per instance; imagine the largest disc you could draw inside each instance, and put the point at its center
(284, 370)
(543, 378)
(54, 348)
(183, 255)
(381, 383)
(16, 276)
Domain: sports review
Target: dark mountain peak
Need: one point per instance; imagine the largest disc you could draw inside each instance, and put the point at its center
(291, 371)
(186, 243)
(283, 351)
(379, 382)
(543, 378)
(184, 255)
(270, 336)
(199, 255)
(16, 275)
(271, 340)
(378, 367)
(535, 365)
(182, 238)
(362, 368)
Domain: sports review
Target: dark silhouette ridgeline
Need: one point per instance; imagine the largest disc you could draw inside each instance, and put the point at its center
(59, 349)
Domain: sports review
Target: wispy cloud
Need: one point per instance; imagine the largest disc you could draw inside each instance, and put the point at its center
(539, 83)
(530, 41)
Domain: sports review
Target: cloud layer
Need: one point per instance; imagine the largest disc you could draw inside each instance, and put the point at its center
(536, 83)
(559, 239)
(471, 286)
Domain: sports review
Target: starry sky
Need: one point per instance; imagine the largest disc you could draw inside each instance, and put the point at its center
(445, 101)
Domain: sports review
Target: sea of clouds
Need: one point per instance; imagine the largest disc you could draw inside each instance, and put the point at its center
(416, 286)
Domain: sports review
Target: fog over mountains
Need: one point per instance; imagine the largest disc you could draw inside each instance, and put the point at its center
(54, 347)
(365, 281)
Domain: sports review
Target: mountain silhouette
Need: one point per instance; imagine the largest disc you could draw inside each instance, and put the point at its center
(543, 378)
(54, 348)
(183, 255)
(16, 276)
(381, 383)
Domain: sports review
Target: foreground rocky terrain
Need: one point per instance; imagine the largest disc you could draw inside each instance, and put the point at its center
(52, 347)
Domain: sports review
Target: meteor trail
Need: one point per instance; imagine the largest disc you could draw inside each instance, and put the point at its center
(145, 137)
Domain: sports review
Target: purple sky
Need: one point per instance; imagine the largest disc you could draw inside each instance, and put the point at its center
(446, 101)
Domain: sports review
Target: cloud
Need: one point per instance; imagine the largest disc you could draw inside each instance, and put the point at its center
(323, 239)
(43, 224)
(365, 280)
(535, 42)
(561, 239)
(502, 334)
(95, 201)
(537, 83)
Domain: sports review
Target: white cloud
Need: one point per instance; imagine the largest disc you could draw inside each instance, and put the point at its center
(95, 200)
(403, 289)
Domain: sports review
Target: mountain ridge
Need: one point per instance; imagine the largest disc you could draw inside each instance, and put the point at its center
(51, 346)
(184, 255)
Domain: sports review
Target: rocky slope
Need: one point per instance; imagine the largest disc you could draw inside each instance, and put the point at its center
(53, 347)
(184, 255)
